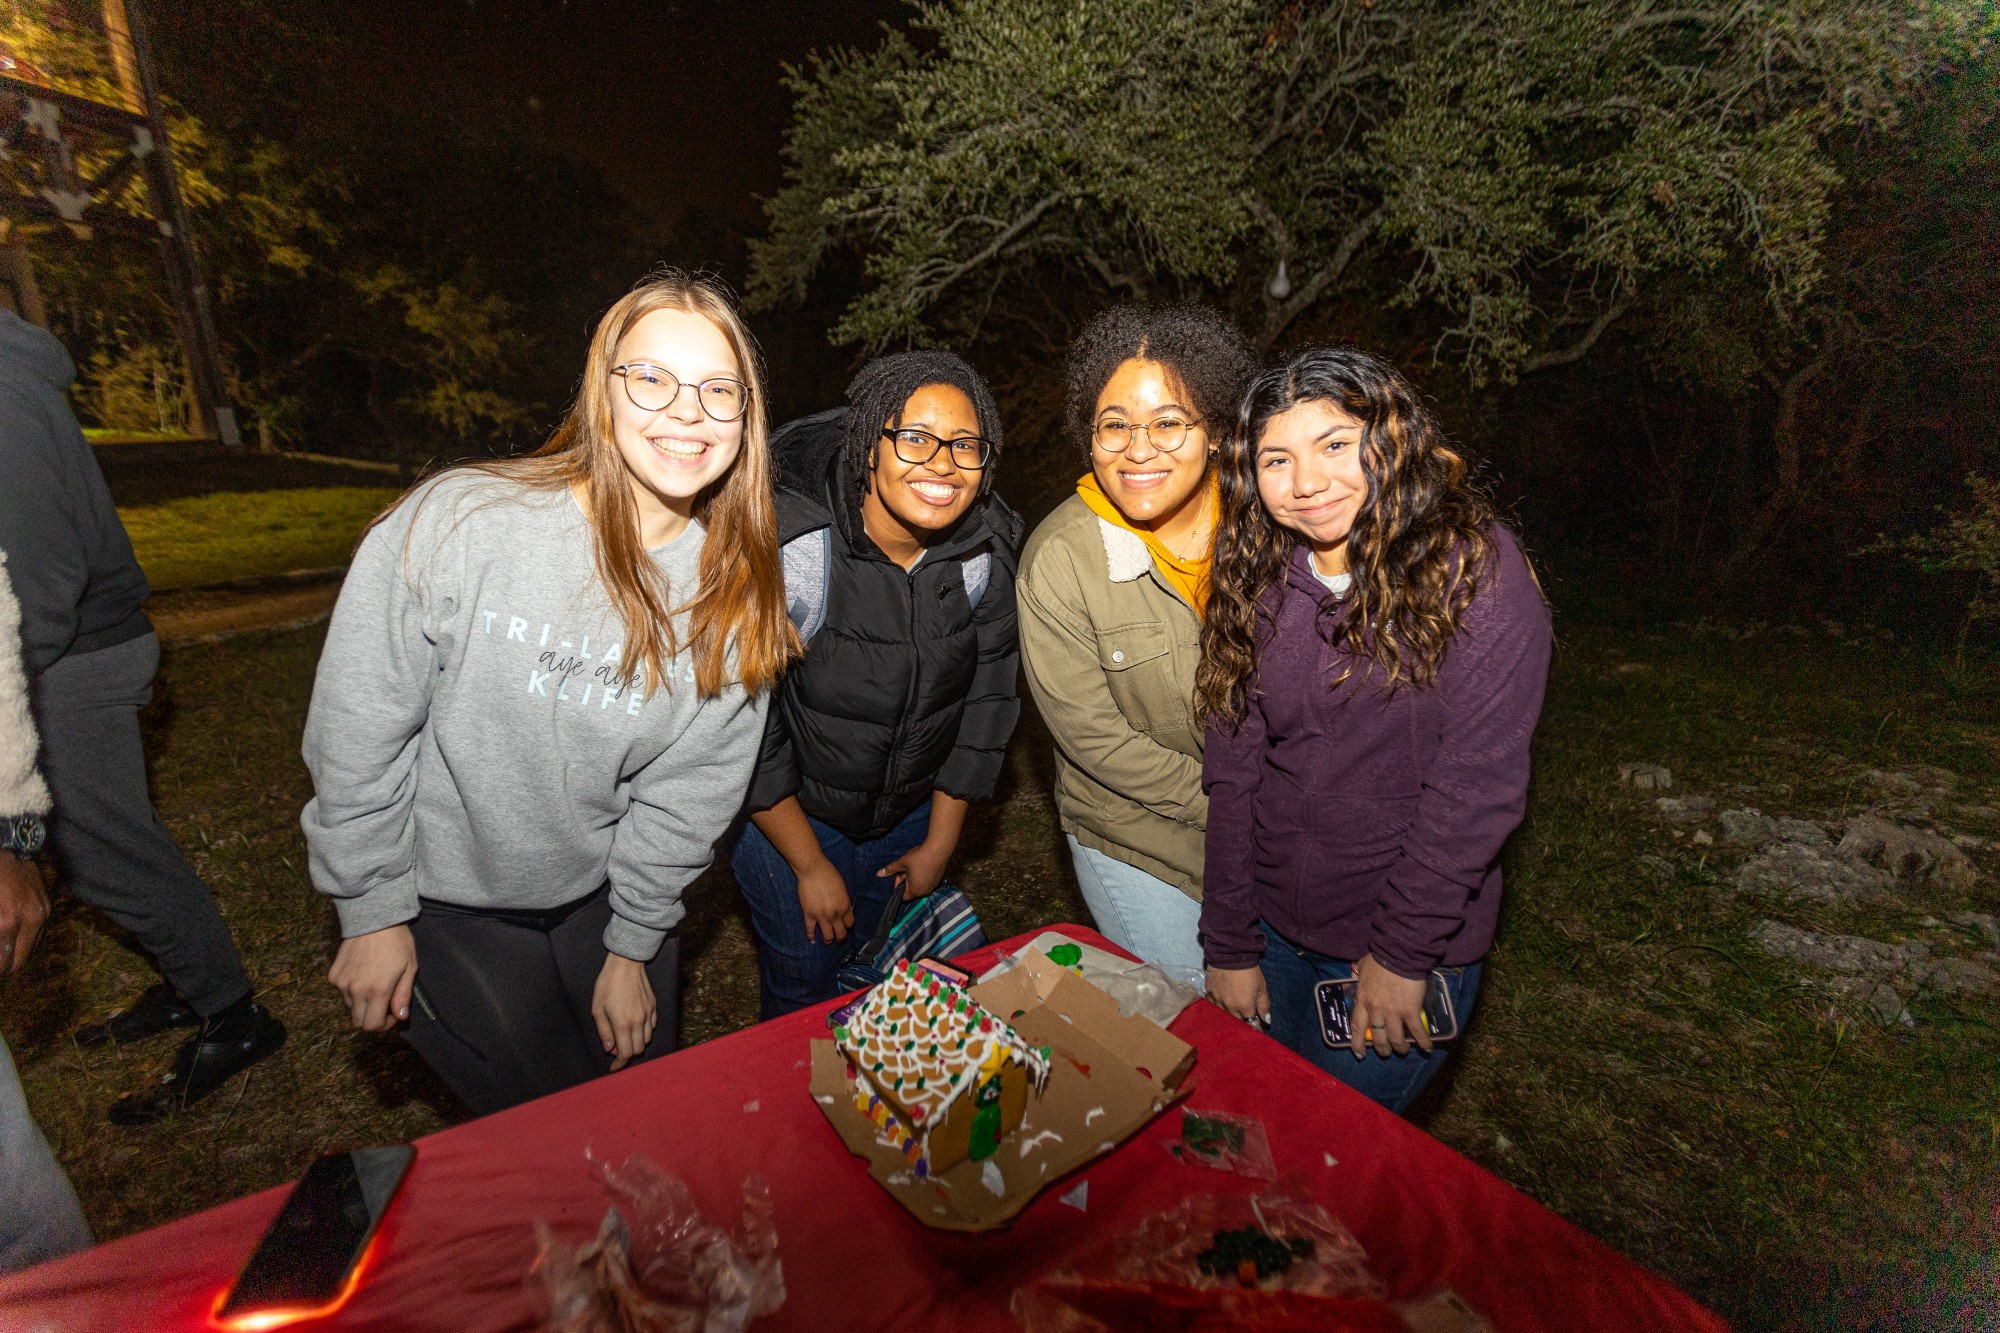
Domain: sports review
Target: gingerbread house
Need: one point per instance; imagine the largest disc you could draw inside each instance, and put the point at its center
(943, 1080)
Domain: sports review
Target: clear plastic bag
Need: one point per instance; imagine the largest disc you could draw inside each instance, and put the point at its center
(1226, 1142)
(657, 1265)
(1156, 1276)
(1140, 988)
(1273, 1261)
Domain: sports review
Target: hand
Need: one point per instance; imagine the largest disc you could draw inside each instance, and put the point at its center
(1392, 1006)
(24, 906)
(1241, 991)
(624, 1008)
(921, 869)
(375, 974)
(823, 900)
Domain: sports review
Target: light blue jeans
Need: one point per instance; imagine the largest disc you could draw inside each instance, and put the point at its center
(1143, 915)
(39, 1217)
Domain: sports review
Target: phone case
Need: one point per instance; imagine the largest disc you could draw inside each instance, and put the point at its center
(1335, 999)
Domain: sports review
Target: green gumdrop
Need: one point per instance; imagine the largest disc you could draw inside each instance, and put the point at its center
(1066, 955)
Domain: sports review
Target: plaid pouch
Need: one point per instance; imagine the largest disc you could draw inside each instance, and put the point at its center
(942, 925)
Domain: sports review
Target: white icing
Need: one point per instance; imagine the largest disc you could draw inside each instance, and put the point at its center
(1078, 1198)
(1047, 1135)
(990, 1177)
(1092, 1114)
(921, 1043)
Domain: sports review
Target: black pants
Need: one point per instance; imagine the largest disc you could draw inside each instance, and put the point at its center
(502, 1003)
(113, 851)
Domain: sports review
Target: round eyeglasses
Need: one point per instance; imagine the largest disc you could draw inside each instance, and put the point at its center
(1166, 433)
(653, 389)
(917, 447)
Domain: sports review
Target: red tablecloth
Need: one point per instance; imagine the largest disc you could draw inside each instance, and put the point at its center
(456, 1246)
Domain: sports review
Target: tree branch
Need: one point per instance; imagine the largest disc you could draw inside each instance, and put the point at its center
(923, 291)
(1576, 351)
(1281, 314)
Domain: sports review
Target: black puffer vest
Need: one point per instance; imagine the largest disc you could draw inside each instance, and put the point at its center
(906, 686)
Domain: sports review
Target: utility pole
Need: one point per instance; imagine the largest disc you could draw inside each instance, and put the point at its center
(139, 84)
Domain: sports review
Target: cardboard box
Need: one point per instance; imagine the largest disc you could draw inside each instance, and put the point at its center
(1110, 1075)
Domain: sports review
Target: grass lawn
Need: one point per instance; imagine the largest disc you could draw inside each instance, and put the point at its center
(1636, 1063)
(238, 534)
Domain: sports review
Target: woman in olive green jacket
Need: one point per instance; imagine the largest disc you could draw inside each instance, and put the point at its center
(1111, 590)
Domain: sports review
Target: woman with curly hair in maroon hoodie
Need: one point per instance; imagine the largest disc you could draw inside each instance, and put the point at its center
(1373, 658)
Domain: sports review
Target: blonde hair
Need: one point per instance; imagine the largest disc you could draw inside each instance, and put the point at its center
(739, 603)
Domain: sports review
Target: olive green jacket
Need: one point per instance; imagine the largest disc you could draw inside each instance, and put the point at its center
(1110, 653)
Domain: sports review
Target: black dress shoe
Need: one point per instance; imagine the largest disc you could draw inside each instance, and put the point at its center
(225, 1047)
(158, 1009)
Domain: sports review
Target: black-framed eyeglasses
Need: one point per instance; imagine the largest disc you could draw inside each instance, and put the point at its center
(916, 447)
(1167, 432)
(653, 389)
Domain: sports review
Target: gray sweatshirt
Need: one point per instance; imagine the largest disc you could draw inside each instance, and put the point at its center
(473, 737)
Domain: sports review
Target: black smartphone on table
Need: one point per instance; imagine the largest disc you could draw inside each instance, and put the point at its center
(1335, 1002)
(309, 1260)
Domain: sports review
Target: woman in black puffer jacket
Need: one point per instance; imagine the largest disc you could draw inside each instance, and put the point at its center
(899, 562)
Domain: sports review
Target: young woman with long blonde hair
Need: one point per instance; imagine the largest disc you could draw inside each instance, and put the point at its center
(539, 705)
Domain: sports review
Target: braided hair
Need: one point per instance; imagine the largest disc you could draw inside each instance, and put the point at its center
(882, 389)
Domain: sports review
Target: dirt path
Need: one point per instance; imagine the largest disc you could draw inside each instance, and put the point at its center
(210, 615)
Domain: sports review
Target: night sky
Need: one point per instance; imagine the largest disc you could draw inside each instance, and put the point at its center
(679, 104)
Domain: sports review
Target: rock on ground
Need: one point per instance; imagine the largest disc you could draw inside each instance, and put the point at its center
(1797, 872)
(1982, 922)
(1913, 962)
(1646, 777)
(1748, 826)
(1877, 999)
(1684, 809)
(1803, 831)
(1914, 856)
(1834, 953)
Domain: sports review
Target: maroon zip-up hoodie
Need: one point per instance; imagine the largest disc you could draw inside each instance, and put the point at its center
(1362, 821)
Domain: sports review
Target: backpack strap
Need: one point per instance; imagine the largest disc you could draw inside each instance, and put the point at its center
(808, 562)
(978, 572)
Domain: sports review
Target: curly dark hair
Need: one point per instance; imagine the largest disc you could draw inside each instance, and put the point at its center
(1417, 549)
(1208, 355)
(882, 389)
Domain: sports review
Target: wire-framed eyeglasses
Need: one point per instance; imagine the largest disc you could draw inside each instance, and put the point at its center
(654, 389)
(917, 447)
(1167, 432)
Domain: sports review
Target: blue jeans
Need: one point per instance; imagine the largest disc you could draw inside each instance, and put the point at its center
(39, 1216)
(794, 970)
(1140, 914)
(1290, 973)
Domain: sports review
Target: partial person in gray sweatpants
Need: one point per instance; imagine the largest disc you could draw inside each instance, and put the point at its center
(90, 654)
(39, 1216)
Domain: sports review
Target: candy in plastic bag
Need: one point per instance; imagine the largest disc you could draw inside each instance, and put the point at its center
(658, 1266)
(1164, 1274)
(1226, 1142)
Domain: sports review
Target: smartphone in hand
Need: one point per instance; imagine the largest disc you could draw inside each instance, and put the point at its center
(1335, 1002)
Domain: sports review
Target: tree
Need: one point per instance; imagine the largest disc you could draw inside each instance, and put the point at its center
(1523, 173)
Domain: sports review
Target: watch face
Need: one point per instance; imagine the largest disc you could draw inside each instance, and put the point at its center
(22, 835)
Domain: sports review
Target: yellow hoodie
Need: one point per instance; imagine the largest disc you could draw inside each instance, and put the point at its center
(1189, 578)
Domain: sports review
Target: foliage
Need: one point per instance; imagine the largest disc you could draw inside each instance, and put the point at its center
(373, 281)
(140, 388)
(1967, 542)
(1525, 170)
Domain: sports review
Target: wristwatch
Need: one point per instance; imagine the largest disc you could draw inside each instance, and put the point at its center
(22, 835)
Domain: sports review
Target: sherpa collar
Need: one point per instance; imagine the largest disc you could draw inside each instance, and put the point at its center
(1125, 553)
